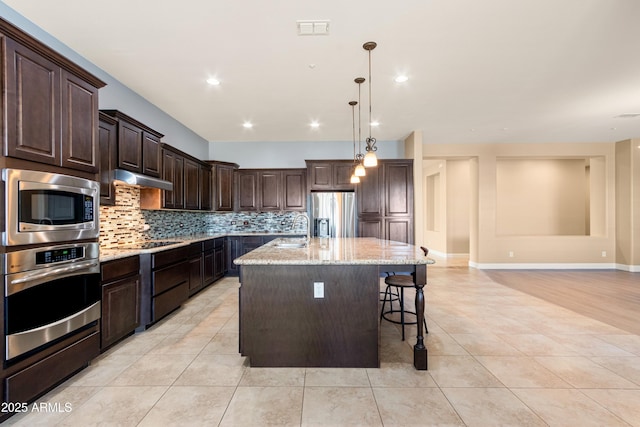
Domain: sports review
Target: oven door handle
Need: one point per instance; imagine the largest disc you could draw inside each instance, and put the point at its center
(33, 279)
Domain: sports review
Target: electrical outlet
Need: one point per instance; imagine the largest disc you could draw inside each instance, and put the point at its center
(245, 223)
(510, 254)
(233, 223)
(604, 254)
(318, 289)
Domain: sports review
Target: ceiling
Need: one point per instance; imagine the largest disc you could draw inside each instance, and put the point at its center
(479, 71)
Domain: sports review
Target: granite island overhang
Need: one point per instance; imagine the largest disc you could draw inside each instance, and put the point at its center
(318, 304)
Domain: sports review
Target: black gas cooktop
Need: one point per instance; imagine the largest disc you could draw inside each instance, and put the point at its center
(148, 245)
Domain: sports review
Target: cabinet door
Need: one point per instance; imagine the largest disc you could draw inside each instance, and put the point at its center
(219, 264)
(233, 247)
(224, 189)
(369, 193)
(191, 184)
(129, 147)
(33, 105)
(320, 176)
(371, 227)
(205, 188)
(270, 190)
(342, 176)
(195, 274)
(398, 181)
(150, 154)
(120, 309)
(247, 199)
(399, 229)
(107, 141)
(208, 275)
(172, 171)
(79, 124)
(295, 190)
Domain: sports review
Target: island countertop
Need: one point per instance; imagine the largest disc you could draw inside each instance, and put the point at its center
(338, 251)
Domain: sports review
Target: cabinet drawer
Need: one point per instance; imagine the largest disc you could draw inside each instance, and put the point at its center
(27, 384)
(209, 244)
(118, 268)
(195, 249)
(169, 277)
(252, 240)
(171, 256)
(170, 300)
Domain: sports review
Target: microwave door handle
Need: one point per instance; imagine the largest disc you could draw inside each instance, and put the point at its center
(55, 272)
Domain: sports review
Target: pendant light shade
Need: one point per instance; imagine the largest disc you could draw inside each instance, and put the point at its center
(360, 171)
(354, 179)
(370, 160)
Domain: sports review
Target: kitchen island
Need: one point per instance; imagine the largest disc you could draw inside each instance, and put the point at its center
(317, 304)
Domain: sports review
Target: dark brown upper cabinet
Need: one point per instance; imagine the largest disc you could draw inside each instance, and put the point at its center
(107, 140)
(191, 184)
(51, 105)
(330, 175)
(223, 187)
(138, 145)
(271, 190)
(173, 171)
(191, 178)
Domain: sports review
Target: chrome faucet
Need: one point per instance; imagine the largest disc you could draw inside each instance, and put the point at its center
(295, 220)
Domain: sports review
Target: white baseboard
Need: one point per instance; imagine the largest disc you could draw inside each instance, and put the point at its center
(545, 266)
(445, 255)
(629, 268)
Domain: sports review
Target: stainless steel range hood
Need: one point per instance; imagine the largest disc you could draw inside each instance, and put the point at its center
(137, 179)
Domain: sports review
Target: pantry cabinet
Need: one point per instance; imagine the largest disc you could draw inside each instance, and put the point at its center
(385, 201)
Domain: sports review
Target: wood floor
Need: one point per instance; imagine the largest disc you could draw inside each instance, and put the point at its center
(610, 296)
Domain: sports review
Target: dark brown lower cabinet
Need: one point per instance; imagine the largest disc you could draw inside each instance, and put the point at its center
(196, 267)
(120, 299)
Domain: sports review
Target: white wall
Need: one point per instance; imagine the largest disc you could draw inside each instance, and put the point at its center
(116, 95)
(293, 154)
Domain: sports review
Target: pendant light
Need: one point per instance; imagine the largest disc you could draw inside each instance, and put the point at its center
(360, 171)
(355, 179)
(370, 159)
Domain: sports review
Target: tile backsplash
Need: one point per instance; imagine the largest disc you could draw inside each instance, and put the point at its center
(126, 222)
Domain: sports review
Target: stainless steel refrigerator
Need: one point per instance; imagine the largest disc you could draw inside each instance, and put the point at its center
(333, 214)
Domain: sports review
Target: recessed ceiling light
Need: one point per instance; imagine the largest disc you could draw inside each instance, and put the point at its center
(247, 125)
(314, 124)
(375, 124)
(401, 78)
(213, 81)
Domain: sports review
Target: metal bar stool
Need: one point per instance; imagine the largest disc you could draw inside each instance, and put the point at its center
(399, 282)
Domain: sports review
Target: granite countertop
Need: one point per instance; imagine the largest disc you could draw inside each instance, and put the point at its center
(346, 251)
(116, 252)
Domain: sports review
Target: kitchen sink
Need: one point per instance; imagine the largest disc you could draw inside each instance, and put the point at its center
(290, 243)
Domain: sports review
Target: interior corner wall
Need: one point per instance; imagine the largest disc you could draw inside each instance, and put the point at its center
(628, 205)
(413, 150)
(434, 222)
(458, 195)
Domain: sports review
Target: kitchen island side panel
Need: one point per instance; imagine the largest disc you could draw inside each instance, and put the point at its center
(283, 324)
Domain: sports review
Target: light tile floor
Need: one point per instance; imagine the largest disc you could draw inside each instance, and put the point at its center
(496, 357)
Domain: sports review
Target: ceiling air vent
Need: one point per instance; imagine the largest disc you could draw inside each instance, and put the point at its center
(627, 116)
(313, 28)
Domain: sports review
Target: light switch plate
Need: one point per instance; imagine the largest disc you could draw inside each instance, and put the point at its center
(318, 289)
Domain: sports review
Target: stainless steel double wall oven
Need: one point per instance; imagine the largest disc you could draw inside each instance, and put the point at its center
(51, 262)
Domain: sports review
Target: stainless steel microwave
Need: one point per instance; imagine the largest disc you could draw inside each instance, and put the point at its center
(43, 207)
